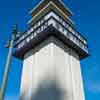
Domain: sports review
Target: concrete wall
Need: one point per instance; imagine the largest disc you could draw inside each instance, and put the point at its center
(51, 71)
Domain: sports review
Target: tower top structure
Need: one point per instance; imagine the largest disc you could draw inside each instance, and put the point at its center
(58, 3)
(51, 18)
(46, 6)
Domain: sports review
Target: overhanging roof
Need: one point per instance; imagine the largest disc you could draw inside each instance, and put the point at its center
(58, 3)
(50, 6)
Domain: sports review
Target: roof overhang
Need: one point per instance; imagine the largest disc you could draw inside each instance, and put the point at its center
(50, 6)
(58, 3)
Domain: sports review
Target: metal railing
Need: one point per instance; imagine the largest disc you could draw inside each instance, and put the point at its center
(65, 31)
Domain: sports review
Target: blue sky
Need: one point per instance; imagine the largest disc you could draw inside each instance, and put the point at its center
(87, 20)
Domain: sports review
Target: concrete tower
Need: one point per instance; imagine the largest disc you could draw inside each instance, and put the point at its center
(51, 50)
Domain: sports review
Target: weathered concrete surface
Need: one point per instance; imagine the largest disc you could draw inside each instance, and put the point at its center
(51, 71)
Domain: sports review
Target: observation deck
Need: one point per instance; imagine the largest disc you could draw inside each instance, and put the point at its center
(51, 25)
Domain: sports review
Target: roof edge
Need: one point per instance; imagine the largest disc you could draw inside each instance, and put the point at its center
(45, 8)
(70, 12)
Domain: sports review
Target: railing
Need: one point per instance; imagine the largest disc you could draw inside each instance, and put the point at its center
(66, 32)
(59, 24)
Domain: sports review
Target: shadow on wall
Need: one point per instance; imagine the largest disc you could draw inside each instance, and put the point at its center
(47, 91)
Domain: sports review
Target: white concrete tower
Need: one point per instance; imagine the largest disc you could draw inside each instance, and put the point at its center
(51, 50)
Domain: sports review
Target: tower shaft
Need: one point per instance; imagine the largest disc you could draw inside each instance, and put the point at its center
(51, 71)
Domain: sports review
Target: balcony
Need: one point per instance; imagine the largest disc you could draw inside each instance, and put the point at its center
(52, 25)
